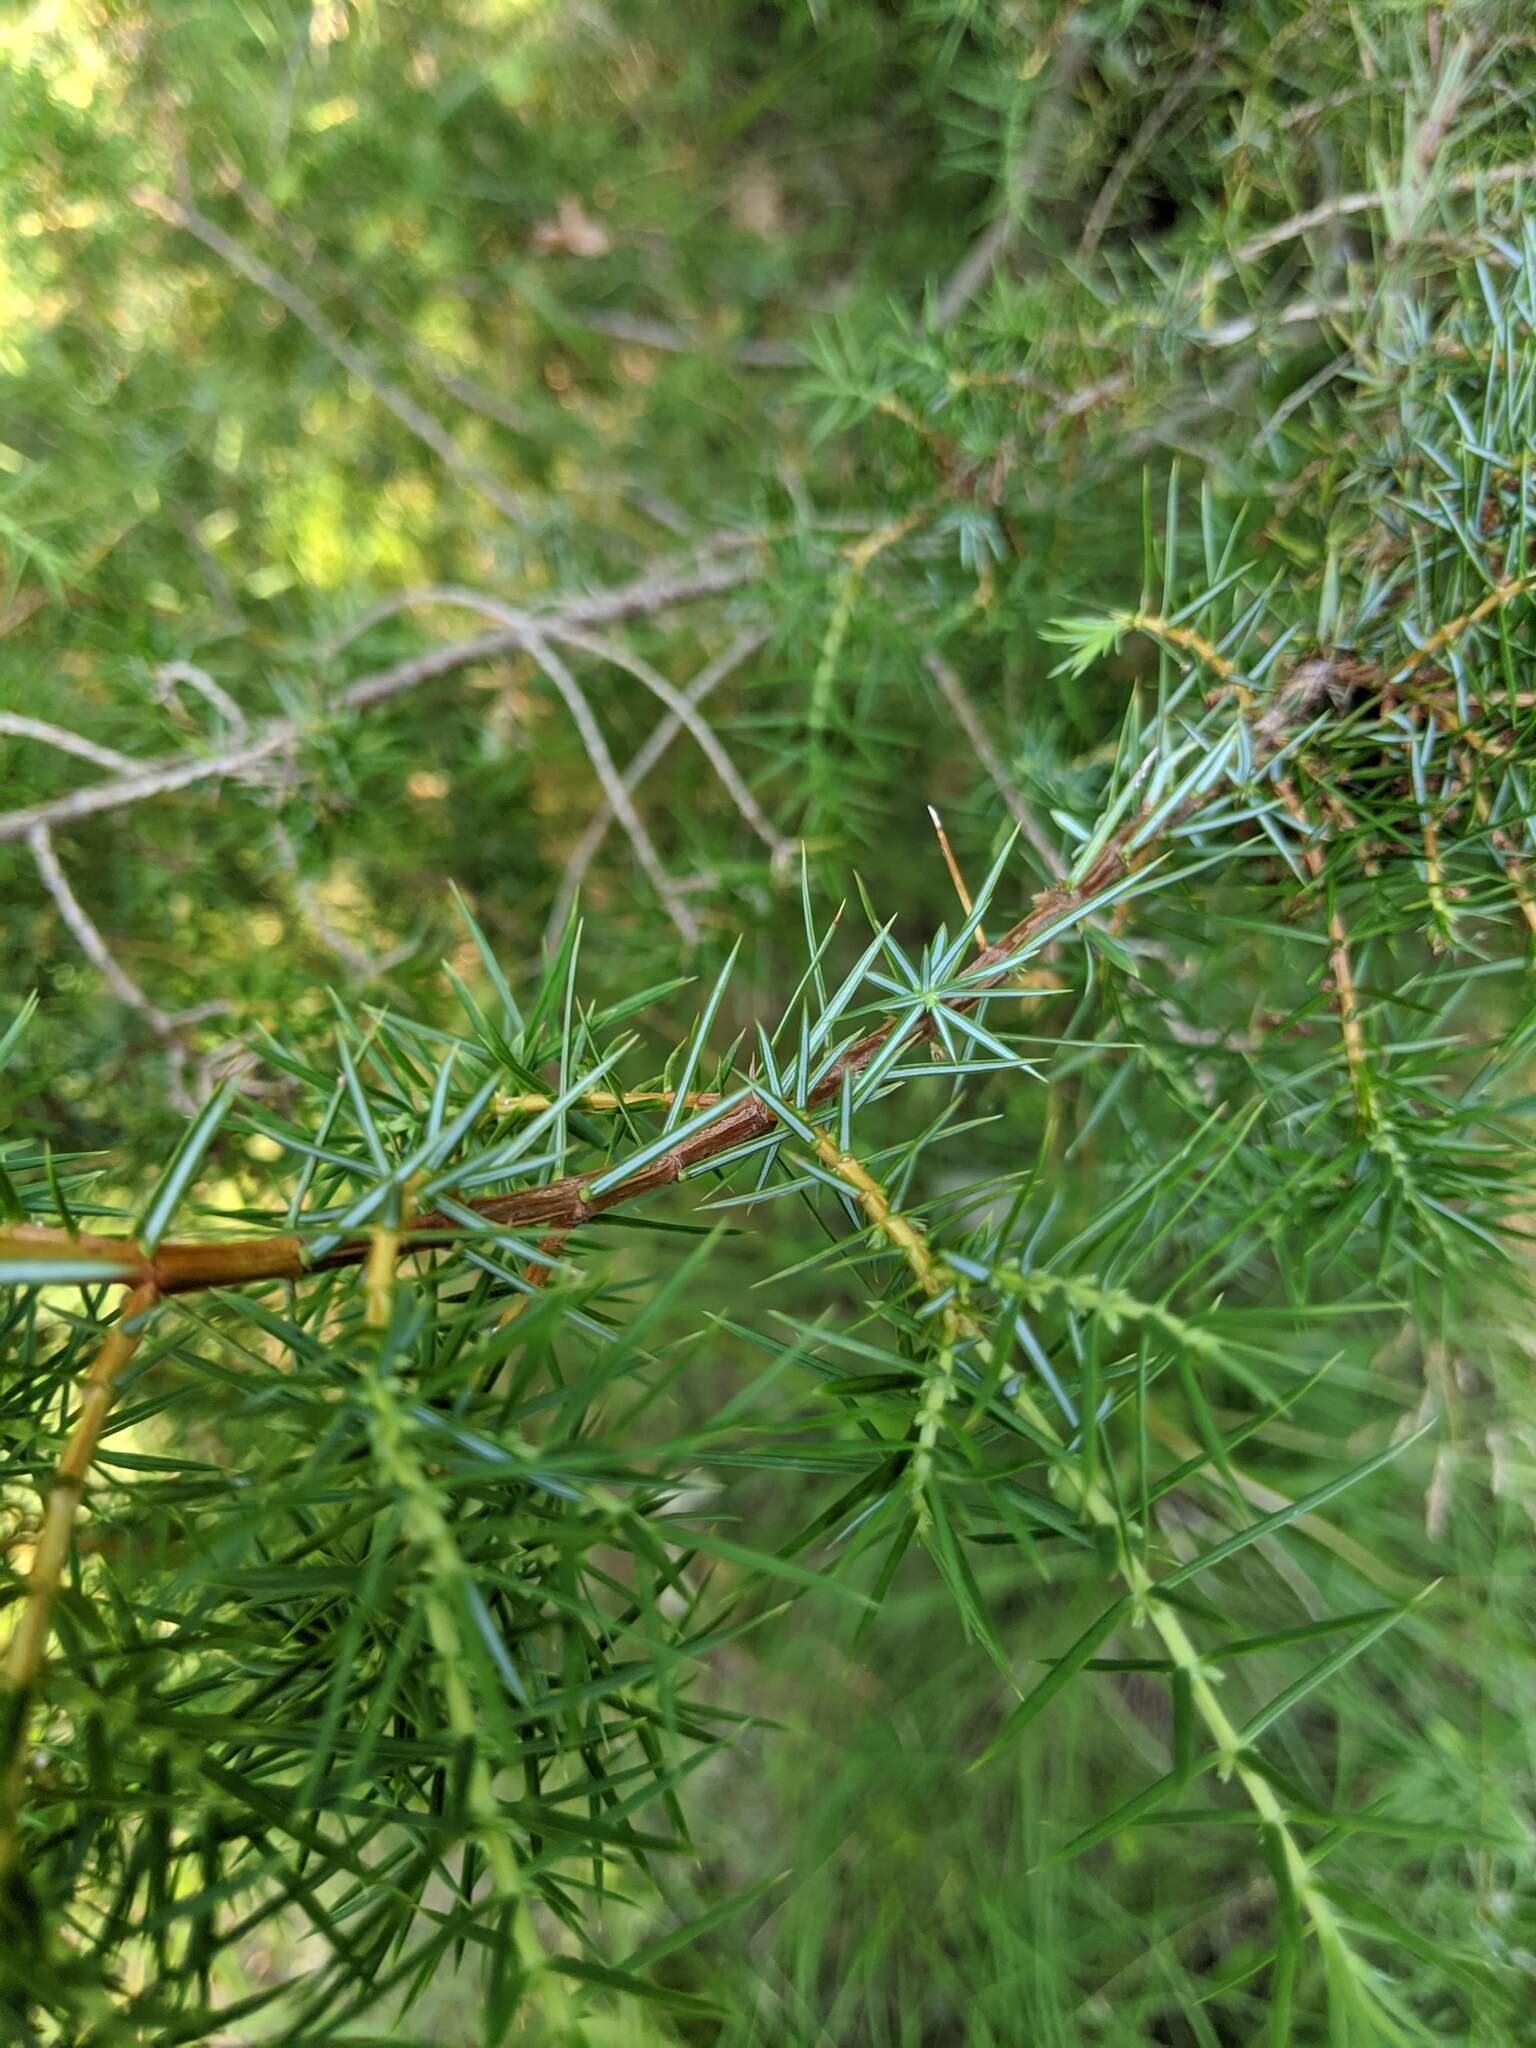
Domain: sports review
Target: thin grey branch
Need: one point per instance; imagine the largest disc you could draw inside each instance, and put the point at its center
(357, 959)
(702, 573)
(1345, 204)
(169, 1026)
(677, 341)
(612, 786)
(491, 405)
(22, 728)
(170, 674)
(974, 270)
(152, 778)
(88, 938)
(276, 737)
(640, 765)
(680, 706)
(1156, 121)
(1300, 313)
(570, 634)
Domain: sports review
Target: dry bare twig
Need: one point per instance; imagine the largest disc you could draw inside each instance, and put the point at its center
(572, 634)
(356, 959)
(253, 752)
(169, 1026)
(685, 710)
(619, 799)
(275, 737)
(17, 726)
(1070, 46)
(644, 760)
(173, 674)
(1344, 205)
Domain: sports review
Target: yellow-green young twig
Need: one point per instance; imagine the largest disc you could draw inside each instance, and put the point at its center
(22, 1671)
(602, 1101)
(429, 1532)
(1504, 847)
(958, 1325)
(955, 1326)
(379, 1277)
(1435, 886)
(1346, 995)
(1502, 593)
(857, 560)
(1187, 641)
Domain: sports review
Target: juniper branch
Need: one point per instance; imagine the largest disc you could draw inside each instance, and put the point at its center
(958, 1326)
(567, 1203)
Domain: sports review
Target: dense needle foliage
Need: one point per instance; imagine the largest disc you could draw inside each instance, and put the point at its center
(819, 1434)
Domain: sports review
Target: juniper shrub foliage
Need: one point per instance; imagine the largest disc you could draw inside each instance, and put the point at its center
(825, 1432)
